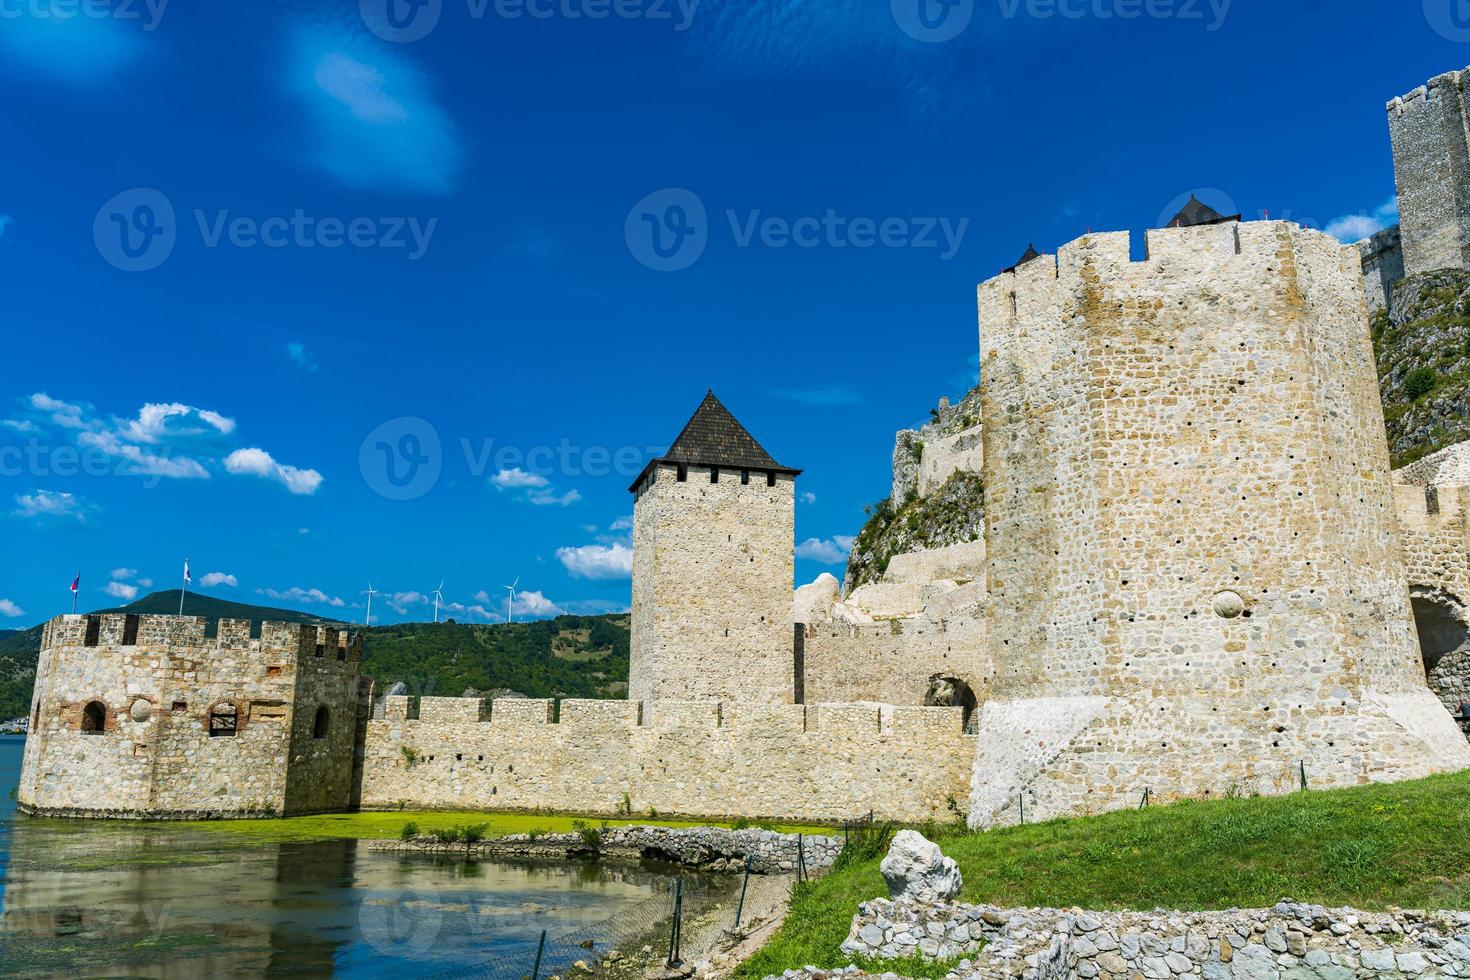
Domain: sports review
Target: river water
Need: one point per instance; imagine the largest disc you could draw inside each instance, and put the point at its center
(87, 898)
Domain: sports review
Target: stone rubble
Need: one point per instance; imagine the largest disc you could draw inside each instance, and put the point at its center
(916, 870)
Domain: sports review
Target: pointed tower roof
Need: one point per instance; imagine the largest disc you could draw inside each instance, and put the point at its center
(1031, 253)
(714, 437)
(1197, 212)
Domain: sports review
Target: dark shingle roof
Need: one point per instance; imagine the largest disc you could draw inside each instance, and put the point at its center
(1031, 253)
(713, 437)
(1197, 212)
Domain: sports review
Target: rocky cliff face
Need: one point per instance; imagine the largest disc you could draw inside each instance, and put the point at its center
(1423, 349)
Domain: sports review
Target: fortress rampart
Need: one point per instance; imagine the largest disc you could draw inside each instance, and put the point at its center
(1194, 569)
(146, 716)
(1430, 128)
(892, 662)
(684, 758)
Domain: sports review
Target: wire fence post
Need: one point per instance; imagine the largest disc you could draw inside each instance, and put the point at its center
(1144, 802)
(1303, 765)
(740, 909)
(540, 948)
(674, 936)
(800, 858)
(1022, 798)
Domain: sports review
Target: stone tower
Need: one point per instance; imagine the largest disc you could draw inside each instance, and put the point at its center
(1195, 579)
(713, 531)
(1431, 150)
(146, 717)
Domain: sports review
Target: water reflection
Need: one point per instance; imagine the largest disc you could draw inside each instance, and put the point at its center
(87, 898)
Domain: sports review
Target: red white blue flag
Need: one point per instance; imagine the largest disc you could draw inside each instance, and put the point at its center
(76, 584)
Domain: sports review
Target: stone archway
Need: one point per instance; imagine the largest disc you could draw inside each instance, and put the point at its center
(946, 691)
(1444, 639)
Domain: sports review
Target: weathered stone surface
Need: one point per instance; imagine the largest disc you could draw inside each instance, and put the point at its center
(917, 870)
(813, 602)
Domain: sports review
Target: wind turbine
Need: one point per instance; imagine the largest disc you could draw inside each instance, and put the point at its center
(370, 593)
(438, 598)
(510, 601)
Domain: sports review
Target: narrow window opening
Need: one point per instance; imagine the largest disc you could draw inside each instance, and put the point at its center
(683, 474)
(714, 474)
(745, 478)
(223, 720)
(323, 719)
(130, 631)
(94, 718)
(771, 479)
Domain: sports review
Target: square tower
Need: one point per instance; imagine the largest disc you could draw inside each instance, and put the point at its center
(713, 532)
(1431, 151)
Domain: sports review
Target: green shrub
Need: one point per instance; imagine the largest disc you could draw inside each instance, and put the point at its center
(409, 832)
(866, 842)
(473, 833)
(591, 836)
(1420, 383)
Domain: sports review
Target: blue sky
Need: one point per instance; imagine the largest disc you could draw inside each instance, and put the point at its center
(322, 293)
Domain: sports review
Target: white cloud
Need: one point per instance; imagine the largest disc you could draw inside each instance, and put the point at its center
(64, 414)
(258, 462)
(829, 552)
(622, 524)
(596, 561)
(298, 594)
(808, 497)
(213, 579)
(52, 504)
(158, 421)
(547, 498)
(121, 590)
(301, 357)
(123, 574)
(373, 118)
(535, 604)
(142, 462)
(400, 602)
(5, 222)
(8, 608)
(518, 479)
(20, 425)
(1355, 227)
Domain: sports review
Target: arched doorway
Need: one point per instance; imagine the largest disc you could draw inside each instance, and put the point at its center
(1440, 620)
(946, 691)
(94, 718)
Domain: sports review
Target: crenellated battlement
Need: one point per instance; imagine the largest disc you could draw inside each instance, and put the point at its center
(1437, 87)
(750, 718)
(189, 634)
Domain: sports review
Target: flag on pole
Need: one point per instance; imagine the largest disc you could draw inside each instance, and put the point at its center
(187, 579)
(76, 586)
(185, 589)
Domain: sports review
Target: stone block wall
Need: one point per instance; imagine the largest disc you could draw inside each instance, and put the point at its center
(1383, 265)
(892, 662)
(700, 759)
(158, 681)
(1430, 128)
(1195, 582)
(713, 572)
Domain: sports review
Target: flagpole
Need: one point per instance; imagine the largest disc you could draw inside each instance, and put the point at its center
(184, 588)
(77, 582)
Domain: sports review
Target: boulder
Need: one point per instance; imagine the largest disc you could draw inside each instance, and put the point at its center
(917, 870)
(812, 604)
(887, 601)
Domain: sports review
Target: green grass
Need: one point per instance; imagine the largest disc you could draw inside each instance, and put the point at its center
(389, 824)
(1407, 845)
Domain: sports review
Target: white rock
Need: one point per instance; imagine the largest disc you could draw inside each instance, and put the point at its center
(813, 603)
(916, 869)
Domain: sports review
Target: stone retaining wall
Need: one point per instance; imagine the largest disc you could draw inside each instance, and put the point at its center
(1288, 942)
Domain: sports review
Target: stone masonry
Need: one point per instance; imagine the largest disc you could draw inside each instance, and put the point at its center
(713, 535)
(142, 716)
(1195, 583)
(1430, 128)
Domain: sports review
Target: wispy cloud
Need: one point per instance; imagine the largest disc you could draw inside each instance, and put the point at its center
(1351, 228)
(78, 51)
(807, 497)
(258, 462)
(537, 488)
(54, 505)
(10, 609)
(823, 396)
(516, 479)
(301, 356)
(597, 561)
(298, 594)
(121, 590)
(371, 117)
(547, 498)
(832, 551)
(213, 580)
(5, 222)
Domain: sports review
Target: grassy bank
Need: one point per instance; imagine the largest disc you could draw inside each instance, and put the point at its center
(1406, 845)
(370, 826)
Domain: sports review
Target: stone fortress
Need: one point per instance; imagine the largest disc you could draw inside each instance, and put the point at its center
(1193, 574)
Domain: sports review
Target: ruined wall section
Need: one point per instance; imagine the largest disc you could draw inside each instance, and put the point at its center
(892, 662)
(713, 572)
(159, 679)
(700, 759)
(1195, 581)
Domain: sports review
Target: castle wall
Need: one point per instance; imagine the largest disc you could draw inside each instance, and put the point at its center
(159, 679)
(892, 662)
(1430, 128)
(944, 456)
(713, 573)
(694, 758)
(1195, 580)
(1383, 265)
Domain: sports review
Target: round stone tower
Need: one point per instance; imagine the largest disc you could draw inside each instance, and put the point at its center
(1195, 580)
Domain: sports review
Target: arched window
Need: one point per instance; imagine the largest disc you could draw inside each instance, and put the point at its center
(224, 720)
(319, 727)
(94, 718)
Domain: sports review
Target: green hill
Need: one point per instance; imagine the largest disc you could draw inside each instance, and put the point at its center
(571, 656)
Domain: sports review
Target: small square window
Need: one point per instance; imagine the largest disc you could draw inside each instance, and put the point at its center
(745, 478)
(683, 474)
(770, 479)
(714, 474)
